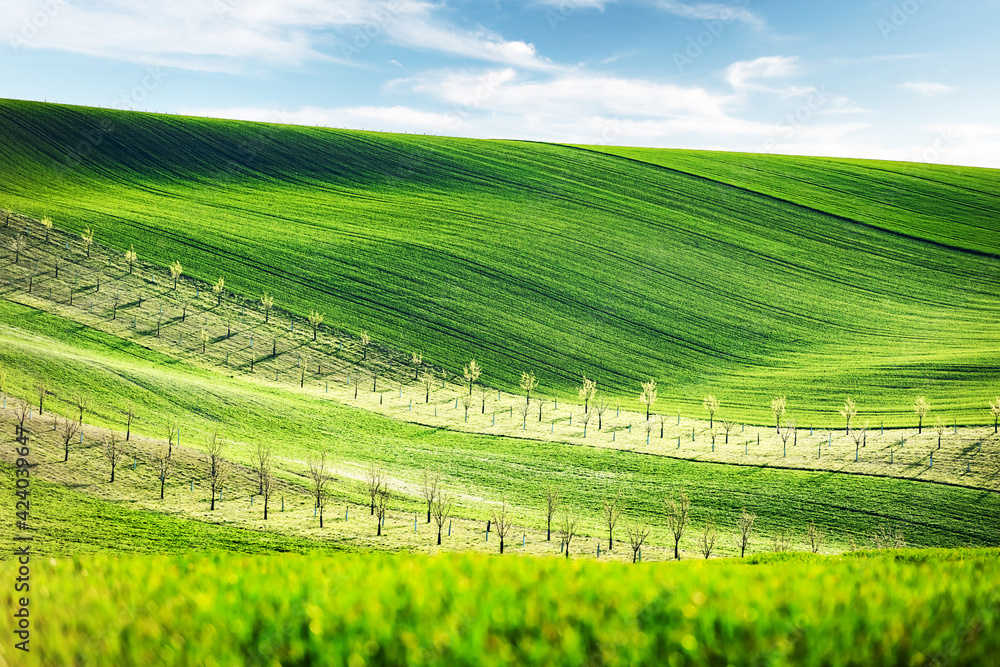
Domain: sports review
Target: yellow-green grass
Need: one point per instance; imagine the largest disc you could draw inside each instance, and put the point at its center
(719, 275)
(896, 608)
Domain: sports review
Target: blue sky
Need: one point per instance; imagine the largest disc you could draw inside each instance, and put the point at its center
(905, 80)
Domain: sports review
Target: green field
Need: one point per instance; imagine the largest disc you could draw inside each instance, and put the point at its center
(743, 276)
(900, 608)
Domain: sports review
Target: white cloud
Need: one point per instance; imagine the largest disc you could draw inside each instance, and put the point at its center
(928, 89)
(225, 35)
(745, 74)
(714, 11)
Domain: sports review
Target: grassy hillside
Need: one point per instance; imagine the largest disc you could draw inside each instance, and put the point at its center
(743, 276)
(900, 608)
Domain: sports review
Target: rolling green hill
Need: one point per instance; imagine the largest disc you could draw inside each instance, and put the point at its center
(743, 276)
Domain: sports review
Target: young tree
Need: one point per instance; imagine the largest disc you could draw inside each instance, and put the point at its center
(428, 383)
(441, 511)
(219, 288)
(586, 392)
(41, 390)
(57, 262)
(502, 522)
(466, 402)
(130, 256)
(995, 409)
(6, 216)
(482, 394)
(267, 303)
(744, 528)
(528, 383)
(780, 542)
(175, 271)
(47, 226)
(315, 319)
(711, 404)
(858, 435)
(648, 426)
(376, 482)
(82, 404)
(113, 452)
(430, 490)
(585, 418)
(320, 478)
(171, 433)
(218, 469)
(778, 411)
(540, 402)
(88, 239)
(267, 486)
(471, 373)
(17, 245)
(164, 461)
(849, 412)
(707, 541)
(381, 505)
(785, 434)
(114, 306)
(567, 532)
(612, 512)
(601, 406)
(129, 416)
(356, 381)
(939, 428)
(648, 395)
(523, 411)
(921, 407)
(204, 337)
(366, 340)
(637, 534)
(677, 518)
(551, 505)
(815, 537)
(21, 412)
(417, 359)
(261, 463)
(69, 431)
(727, 426)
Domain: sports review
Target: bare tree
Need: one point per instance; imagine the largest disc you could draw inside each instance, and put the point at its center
(219, 288)
(466, 402)
(441, 511)
(482, 394)
(567, 532)
(6, 216)
(858, 435)
(785, 434)
(528, 383)
(586, 392)
(921, 407)
(57, 262)
(995, 409)
(218, 469)
(113, 452)
(744, 528)
(502, 522)
(780, 542)
(303, 366)
(171, 433)
(648, 395)
(261, 463)
(551, 505)
(21, 411)
(47, 226)
(430, 490)
(886, 538)
(637, 534)
(416, 358)
(356, 381)
(267, 486)
(129, 416)
(69, 430)
(612, 512)
(585, 418)
(601, 406)
(204, 338)
(376, 482)
(648, 426)
(778, 410)
(848, 412)
(175, 271)
(88, 239)
(82, 404)
(727, 426)
(523, 411)
(677, 518)
(471, 373)
(428, 383)
(815, 537)
(41, 390)
(540, 403)
(939, 428)
(267, 303)
(17, 245)
(381, 505)
(315, 320)
(130, 256)
(366, 340)
(164, 463)
(711, 404)
(708, 537)
(115, 300)
(320, 478)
